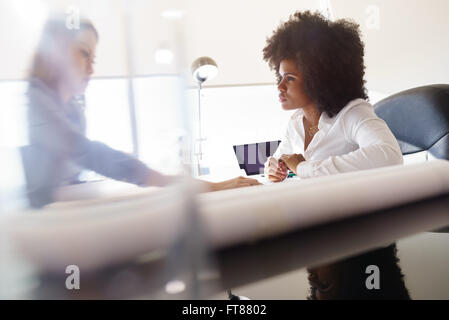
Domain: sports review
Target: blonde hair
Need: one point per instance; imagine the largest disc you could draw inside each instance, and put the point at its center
(55, 36)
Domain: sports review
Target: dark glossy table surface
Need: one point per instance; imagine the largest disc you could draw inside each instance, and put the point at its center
(206, 272)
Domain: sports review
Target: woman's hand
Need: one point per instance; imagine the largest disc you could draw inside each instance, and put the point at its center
(275, 170)
(292, 161)
(157, 179)
(161, 180)
(239, 182)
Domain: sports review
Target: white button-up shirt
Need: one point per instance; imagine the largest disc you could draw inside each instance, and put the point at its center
(354, 139)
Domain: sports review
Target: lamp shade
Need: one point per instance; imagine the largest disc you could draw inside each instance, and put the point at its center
(204, 68)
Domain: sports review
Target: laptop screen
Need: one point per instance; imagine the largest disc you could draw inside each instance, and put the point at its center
(252, 157)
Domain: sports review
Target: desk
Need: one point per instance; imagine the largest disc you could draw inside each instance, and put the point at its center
(248, 241)
(247, 263)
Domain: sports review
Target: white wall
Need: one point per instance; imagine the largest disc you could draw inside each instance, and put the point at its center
(406, 46)
(409, 48)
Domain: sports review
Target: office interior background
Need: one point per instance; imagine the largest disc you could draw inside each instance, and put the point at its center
(143, 55)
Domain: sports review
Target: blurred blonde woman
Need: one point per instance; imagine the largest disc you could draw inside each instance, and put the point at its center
(59, 149)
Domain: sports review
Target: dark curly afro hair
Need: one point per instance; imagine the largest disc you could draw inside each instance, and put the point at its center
(328, 54)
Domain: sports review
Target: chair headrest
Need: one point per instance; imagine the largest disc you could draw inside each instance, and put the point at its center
(419, 119)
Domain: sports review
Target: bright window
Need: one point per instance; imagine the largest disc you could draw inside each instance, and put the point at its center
(107, 113)
(239, 115)
(161, 111)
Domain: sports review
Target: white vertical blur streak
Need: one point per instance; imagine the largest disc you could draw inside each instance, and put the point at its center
(12, 181)
(128, 11)
(195, 241)
(13, 134)
(7, 164)
(185, 108)
(13, 131)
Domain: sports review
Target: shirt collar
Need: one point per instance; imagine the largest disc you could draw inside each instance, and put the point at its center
(324, 124)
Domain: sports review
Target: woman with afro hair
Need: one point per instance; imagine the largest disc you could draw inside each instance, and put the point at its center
(320, 69)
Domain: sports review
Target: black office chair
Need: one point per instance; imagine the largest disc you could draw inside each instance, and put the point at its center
(419, 119)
